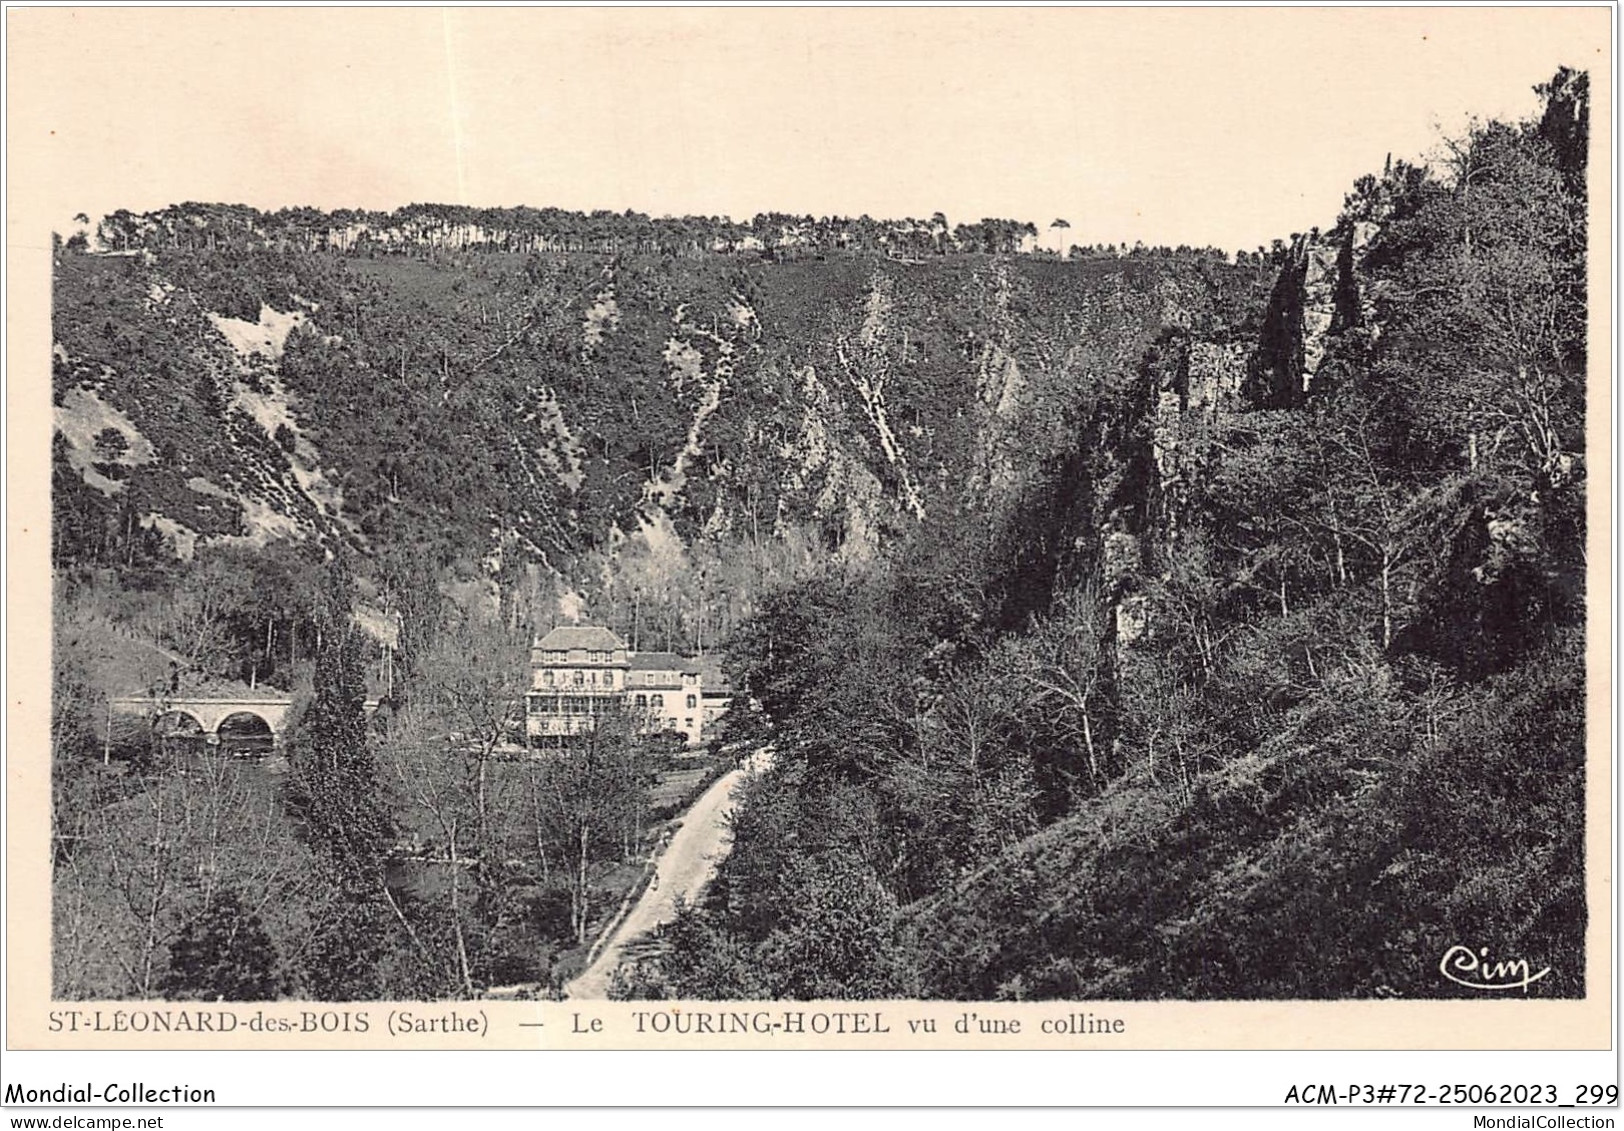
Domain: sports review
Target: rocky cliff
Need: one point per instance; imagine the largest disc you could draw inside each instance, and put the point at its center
(562, 403)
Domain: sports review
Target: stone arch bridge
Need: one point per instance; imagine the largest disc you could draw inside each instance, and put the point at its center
(240, 716)
(256, 714)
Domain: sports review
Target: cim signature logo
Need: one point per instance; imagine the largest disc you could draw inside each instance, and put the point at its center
(1472, 969)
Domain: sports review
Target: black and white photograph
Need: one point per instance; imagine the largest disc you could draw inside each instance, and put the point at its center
(844, 505)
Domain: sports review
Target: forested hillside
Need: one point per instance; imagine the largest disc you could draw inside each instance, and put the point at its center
(1129, 623)
(377, 469)
(558, 410)
(1283, 695)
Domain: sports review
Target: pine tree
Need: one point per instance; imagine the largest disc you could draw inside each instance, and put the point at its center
(336, 799)
(334, 791)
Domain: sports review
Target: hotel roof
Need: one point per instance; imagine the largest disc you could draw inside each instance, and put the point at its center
(662, 662)
(589, 637)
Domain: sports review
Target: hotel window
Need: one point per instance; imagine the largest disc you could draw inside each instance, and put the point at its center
(642, 700)
(580, 678)
(692, 703)
(656, 701)
(609, 679)
(547, 678)
(688, 724)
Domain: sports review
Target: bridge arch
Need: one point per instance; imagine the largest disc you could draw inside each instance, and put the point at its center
(245, 724)
(245, 732)
(177, 723)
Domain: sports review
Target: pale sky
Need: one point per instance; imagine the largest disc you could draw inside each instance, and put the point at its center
(1227, 127)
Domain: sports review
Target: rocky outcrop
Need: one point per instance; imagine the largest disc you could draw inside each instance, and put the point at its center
(1316, 296)
(1214, 374)
(1298, 320)
(1195, 382)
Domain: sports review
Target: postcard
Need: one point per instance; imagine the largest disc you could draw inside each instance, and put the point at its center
(790, 529)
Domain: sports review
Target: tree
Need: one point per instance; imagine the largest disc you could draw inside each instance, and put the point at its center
(468, 692)
(1374, 503)
(838, 939)
(1491, 305)
(155, 862)
(334, 786)
(110, 447)
(223, 954)
(1066, 670)
(1061, 226)
(334, 796)
(198, 621)
(588, 804)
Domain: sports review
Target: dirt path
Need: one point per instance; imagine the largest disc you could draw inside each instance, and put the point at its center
(684, 868)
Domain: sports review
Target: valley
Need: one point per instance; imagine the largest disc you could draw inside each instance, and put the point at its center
(1129, 623)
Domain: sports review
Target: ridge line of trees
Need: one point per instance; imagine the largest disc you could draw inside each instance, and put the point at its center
(426, 228)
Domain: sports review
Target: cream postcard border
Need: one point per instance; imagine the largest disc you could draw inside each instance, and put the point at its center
(45, 81)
